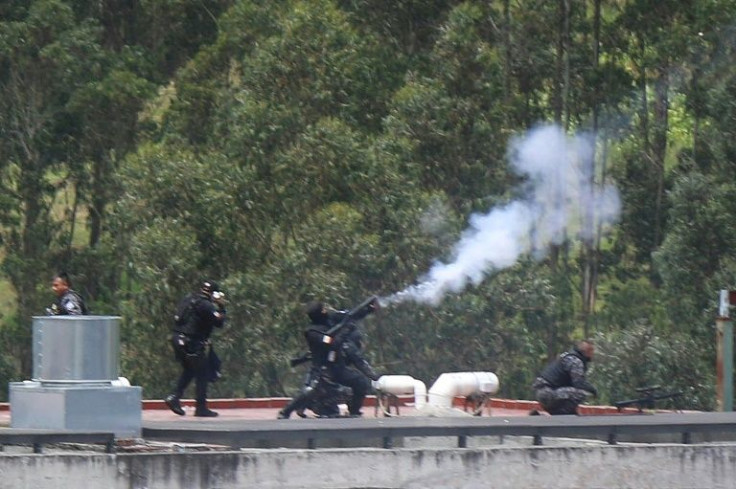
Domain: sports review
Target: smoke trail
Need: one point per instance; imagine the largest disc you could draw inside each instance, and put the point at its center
(558, 201)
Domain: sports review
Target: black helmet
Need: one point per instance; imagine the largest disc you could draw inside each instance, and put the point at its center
(316, 311)
(210, 286)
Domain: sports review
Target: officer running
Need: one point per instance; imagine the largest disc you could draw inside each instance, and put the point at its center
(197, 315)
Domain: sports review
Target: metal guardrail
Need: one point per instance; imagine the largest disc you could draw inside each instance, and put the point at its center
(38, 438)
(239, 434)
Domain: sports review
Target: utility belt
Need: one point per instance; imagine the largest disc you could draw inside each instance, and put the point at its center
(192, 351)
(190, 338)
(542, 383)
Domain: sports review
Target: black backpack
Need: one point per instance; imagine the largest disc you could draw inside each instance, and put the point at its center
(185, 318)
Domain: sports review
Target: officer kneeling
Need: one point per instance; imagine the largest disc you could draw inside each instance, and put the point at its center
(562, 386)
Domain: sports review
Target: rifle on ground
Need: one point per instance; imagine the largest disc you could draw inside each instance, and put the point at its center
(649, 396)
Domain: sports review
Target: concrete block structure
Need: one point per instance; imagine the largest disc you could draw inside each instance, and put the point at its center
(76, 384)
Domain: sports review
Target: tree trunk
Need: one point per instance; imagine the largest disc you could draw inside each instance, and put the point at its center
(562, 65)
(659, 147)
(591, 231)
(507, 59)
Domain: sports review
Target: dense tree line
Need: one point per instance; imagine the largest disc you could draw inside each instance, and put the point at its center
(338, 148)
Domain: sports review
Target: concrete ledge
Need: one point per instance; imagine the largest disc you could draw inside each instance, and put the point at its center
(610, 467)
(312, 432)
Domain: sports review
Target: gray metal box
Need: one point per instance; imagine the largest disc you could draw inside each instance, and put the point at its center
(109, 408)
(75, 384)
(76, 348)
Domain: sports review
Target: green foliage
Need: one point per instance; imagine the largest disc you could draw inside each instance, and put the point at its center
(48, 57)
(451, 117)
(172, 31)
(692, 253)
(628, 303)
(332, 149)
(637, 357)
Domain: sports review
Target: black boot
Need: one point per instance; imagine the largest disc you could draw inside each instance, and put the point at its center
(203, 412)
(173, 403)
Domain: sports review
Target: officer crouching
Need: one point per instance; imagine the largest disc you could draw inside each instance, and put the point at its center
(562, 385)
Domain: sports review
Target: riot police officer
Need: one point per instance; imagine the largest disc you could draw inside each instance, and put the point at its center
(562, 386)
(331, 338)
(196, 317)
(351, 368)
(68, 302)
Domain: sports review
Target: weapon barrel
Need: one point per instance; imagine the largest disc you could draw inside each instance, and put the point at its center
(300, 359)
(646, 400)
(358, 312)
(630, 402)
(363, 307)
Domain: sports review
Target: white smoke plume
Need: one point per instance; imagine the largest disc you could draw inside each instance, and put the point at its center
(558, 201)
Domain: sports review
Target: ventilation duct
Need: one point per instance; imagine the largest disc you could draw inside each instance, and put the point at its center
(449, 385)
(402, 385)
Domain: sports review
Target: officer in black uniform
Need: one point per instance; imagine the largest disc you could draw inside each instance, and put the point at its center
(332, 350)
(68, 302)
(562, 386)
(353, 370)
(197, 315)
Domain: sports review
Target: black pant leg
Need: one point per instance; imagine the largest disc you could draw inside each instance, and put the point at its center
(200, 379)
(360, 385)
(184, 379)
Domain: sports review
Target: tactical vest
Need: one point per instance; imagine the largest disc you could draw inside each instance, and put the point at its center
(556, 375)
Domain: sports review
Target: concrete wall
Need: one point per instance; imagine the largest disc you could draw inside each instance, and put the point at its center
(588, 467)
